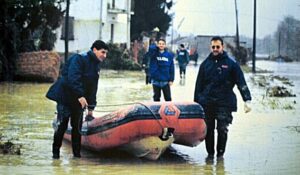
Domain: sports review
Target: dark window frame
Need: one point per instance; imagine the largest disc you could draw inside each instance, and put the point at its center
(71, 28)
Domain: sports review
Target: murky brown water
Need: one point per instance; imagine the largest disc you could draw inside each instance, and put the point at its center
(265, 141)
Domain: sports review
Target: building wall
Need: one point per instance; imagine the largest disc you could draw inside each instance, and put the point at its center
(87, 24)
(85, 33)
(40, 66)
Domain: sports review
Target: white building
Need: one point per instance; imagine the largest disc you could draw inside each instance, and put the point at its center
(108, 20)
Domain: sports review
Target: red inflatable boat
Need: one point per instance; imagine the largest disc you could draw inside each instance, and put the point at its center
(145, 129)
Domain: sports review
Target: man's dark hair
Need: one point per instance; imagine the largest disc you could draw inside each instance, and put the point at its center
(217, 38)
(98, 44)
(161, 39)
(182, 45)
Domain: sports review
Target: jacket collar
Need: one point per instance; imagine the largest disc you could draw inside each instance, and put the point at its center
(93, 56)
(219, 57)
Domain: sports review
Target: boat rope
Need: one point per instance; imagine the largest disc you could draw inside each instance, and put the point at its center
(166, 132)
(104, 110)
(84, 113)
(124, 104)
(109, 105)
(155, 117)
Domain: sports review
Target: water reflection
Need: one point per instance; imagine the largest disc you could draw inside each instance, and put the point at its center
(215, 166)
(182, 81)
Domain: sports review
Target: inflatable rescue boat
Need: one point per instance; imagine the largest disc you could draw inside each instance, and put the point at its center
(144, 129)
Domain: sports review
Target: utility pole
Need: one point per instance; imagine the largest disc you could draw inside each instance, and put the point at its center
(254, 38)
(101, 20)
(237, 28)
(172, 34)
(179, 25)
(128, 23)
(67, 31)
(279, 44)
(237, 38)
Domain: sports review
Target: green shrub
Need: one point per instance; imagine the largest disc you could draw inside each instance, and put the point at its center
(119, 59)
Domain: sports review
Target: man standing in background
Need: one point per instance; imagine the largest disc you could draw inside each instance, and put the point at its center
(162, 71)
(183, 60)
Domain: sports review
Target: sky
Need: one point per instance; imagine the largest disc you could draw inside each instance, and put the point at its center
(217, 17)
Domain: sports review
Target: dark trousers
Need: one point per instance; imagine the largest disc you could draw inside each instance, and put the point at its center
(223, 118)
(182, 69)
(157, 93)
(148, 78)
(63, 115)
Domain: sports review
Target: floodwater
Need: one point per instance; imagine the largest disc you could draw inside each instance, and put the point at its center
(264, 141)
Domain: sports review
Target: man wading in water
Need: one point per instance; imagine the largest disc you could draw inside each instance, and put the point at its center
(74, 91)
(217, 76)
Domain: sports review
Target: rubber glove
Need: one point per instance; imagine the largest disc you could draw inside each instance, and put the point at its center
(247, 106)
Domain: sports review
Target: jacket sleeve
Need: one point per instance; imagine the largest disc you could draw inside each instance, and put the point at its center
(172, 68)
(75, 72)
(55, 91)
(241, 83)
(92, 98)
(199, 83)
(153, 67)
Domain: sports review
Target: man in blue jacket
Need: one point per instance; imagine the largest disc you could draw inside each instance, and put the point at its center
(74, 91)
(217, 76)
(161, 71)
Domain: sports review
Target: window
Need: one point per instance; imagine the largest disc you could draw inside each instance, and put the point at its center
(71, 29)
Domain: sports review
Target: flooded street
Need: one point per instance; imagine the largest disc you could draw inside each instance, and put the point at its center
(264, 141)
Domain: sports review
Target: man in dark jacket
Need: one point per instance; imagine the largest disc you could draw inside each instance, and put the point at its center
(162, 71)
(217, 76)
(183, 60)
(74, 91)
(146, 59)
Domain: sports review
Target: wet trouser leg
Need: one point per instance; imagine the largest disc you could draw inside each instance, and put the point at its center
(223, 120)
(167, 92)
(63, 115)
(76, 123)
(210, 134)
(156, 92)
(148, 79)
(180, 71)
(222, 128)
(184, 69)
